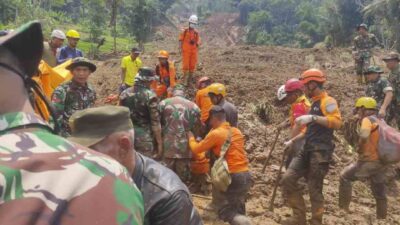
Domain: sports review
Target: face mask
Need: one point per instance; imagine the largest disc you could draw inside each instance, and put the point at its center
(192, 25)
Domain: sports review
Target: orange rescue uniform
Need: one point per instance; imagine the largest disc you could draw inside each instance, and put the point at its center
(203, 101)
(299, 108)
(167, 75)
(235, 155)
(190, 40)
(369, 150)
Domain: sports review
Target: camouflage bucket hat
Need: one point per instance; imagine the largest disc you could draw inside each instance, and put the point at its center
(81, 61)
(373, 69)
(391, 56)
(26, 44)
(90, 126)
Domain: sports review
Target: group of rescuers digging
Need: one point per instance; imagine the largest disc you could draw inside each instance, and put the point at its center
(63, 176)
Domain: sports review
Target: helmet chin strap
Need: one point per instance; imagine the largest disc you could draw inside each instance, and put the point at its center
(32, 87)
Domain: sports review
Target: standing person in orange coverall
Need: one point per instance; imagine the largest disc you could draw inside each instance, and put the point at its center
(165, 69)
(189, 41)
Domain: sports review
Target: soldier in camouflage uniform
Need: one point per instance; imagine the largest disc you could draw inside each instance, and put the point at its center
(392, 63)
(74, 95)
(143, 105)
(379, 89)
(44, 178)
(362, 45)
(178, 116)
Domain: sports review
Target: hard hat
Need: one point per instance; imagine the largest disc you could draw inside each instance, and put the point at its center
(73, 34)
(193, 19)
(293, 85)
(202, 80)
(217, 89)
(58, 34)
(163, 54)
(281, 94)
(363, 25)
(312, 75)
(366, 102)
(373, 69)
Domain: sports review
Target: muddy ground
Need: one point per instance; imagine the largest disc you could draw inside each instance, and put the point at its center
(252, 75)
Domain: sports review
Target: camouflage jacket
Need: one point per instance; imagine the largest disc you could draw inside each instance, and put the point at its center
(362, 45)
(47, 180)
(178, 116)
(143, 105)
(377, 89)
(68, 98)
(394, 78)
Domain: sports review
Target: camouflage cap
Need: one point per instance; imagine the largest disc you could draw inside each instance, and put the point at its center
(26, 43)
(81, 61)
(92, 125)
(146, 74)
(391, 56)
(373, 69)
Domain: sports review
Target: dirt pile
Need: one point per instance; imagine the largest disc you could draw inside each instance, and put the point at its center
(252, 75)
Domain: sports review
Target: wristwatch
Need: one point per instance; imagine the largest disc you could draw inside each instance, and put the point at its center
(314, 118)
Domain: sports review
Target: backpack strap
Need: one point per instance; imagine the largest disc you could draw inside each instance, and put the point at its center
(374, 120)
(226, 145)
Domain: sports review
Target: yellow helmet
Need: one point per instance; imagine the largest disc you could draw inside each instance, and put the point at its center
(73, 34)
(366, 102)
(217, 89)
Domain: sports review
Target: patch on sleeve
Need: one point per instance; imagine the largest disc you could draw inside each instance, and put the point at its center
(331, 107)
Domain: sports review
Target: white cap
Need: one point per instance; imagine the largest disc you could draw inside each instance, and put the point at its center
(193, 19)
(58, 34)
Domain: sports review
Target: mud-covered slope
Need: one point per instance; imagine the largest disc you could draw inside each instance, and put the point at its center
(252, 75)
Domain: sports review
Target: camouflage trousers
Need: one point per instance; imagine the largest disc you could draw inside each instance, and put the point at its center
(202, 182)
(296, 147)
(372, 171)
(180, 166)
(362, 65)
(144, 142)
(233, 201)
(313, 165)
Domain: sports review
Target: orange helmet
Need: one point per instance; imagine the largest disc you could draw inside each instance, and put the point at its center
(202, 80)
(163, 54)
(313, 75)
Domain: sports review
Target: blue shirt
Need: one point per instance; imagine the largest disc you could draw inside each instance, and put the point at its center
(67, 52)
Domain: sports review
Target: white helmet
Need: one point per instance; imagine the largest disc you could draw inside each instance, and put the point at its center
(58, 34)
(193, 19)
(281, 93)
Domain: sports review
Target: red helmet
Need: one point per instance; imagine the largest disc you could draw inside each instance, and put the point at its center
(313, 75)
(202, 80)
(293, 85)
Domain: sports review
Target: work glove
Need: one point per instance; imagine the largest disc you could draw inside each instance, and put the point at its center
(304, 120)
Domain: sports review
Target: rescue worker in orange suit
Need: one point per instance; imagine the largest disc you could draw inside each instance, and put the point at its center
(165, 69)
(203, 101)
(313, 160)
(200, 164)
(189, 41)
(368, 166)
(299, 106)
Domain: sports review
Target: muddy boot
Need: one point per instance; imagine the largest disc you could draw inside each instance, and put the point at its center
(296, 201)
(316, 218)
(240, 220)
(381, 209)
